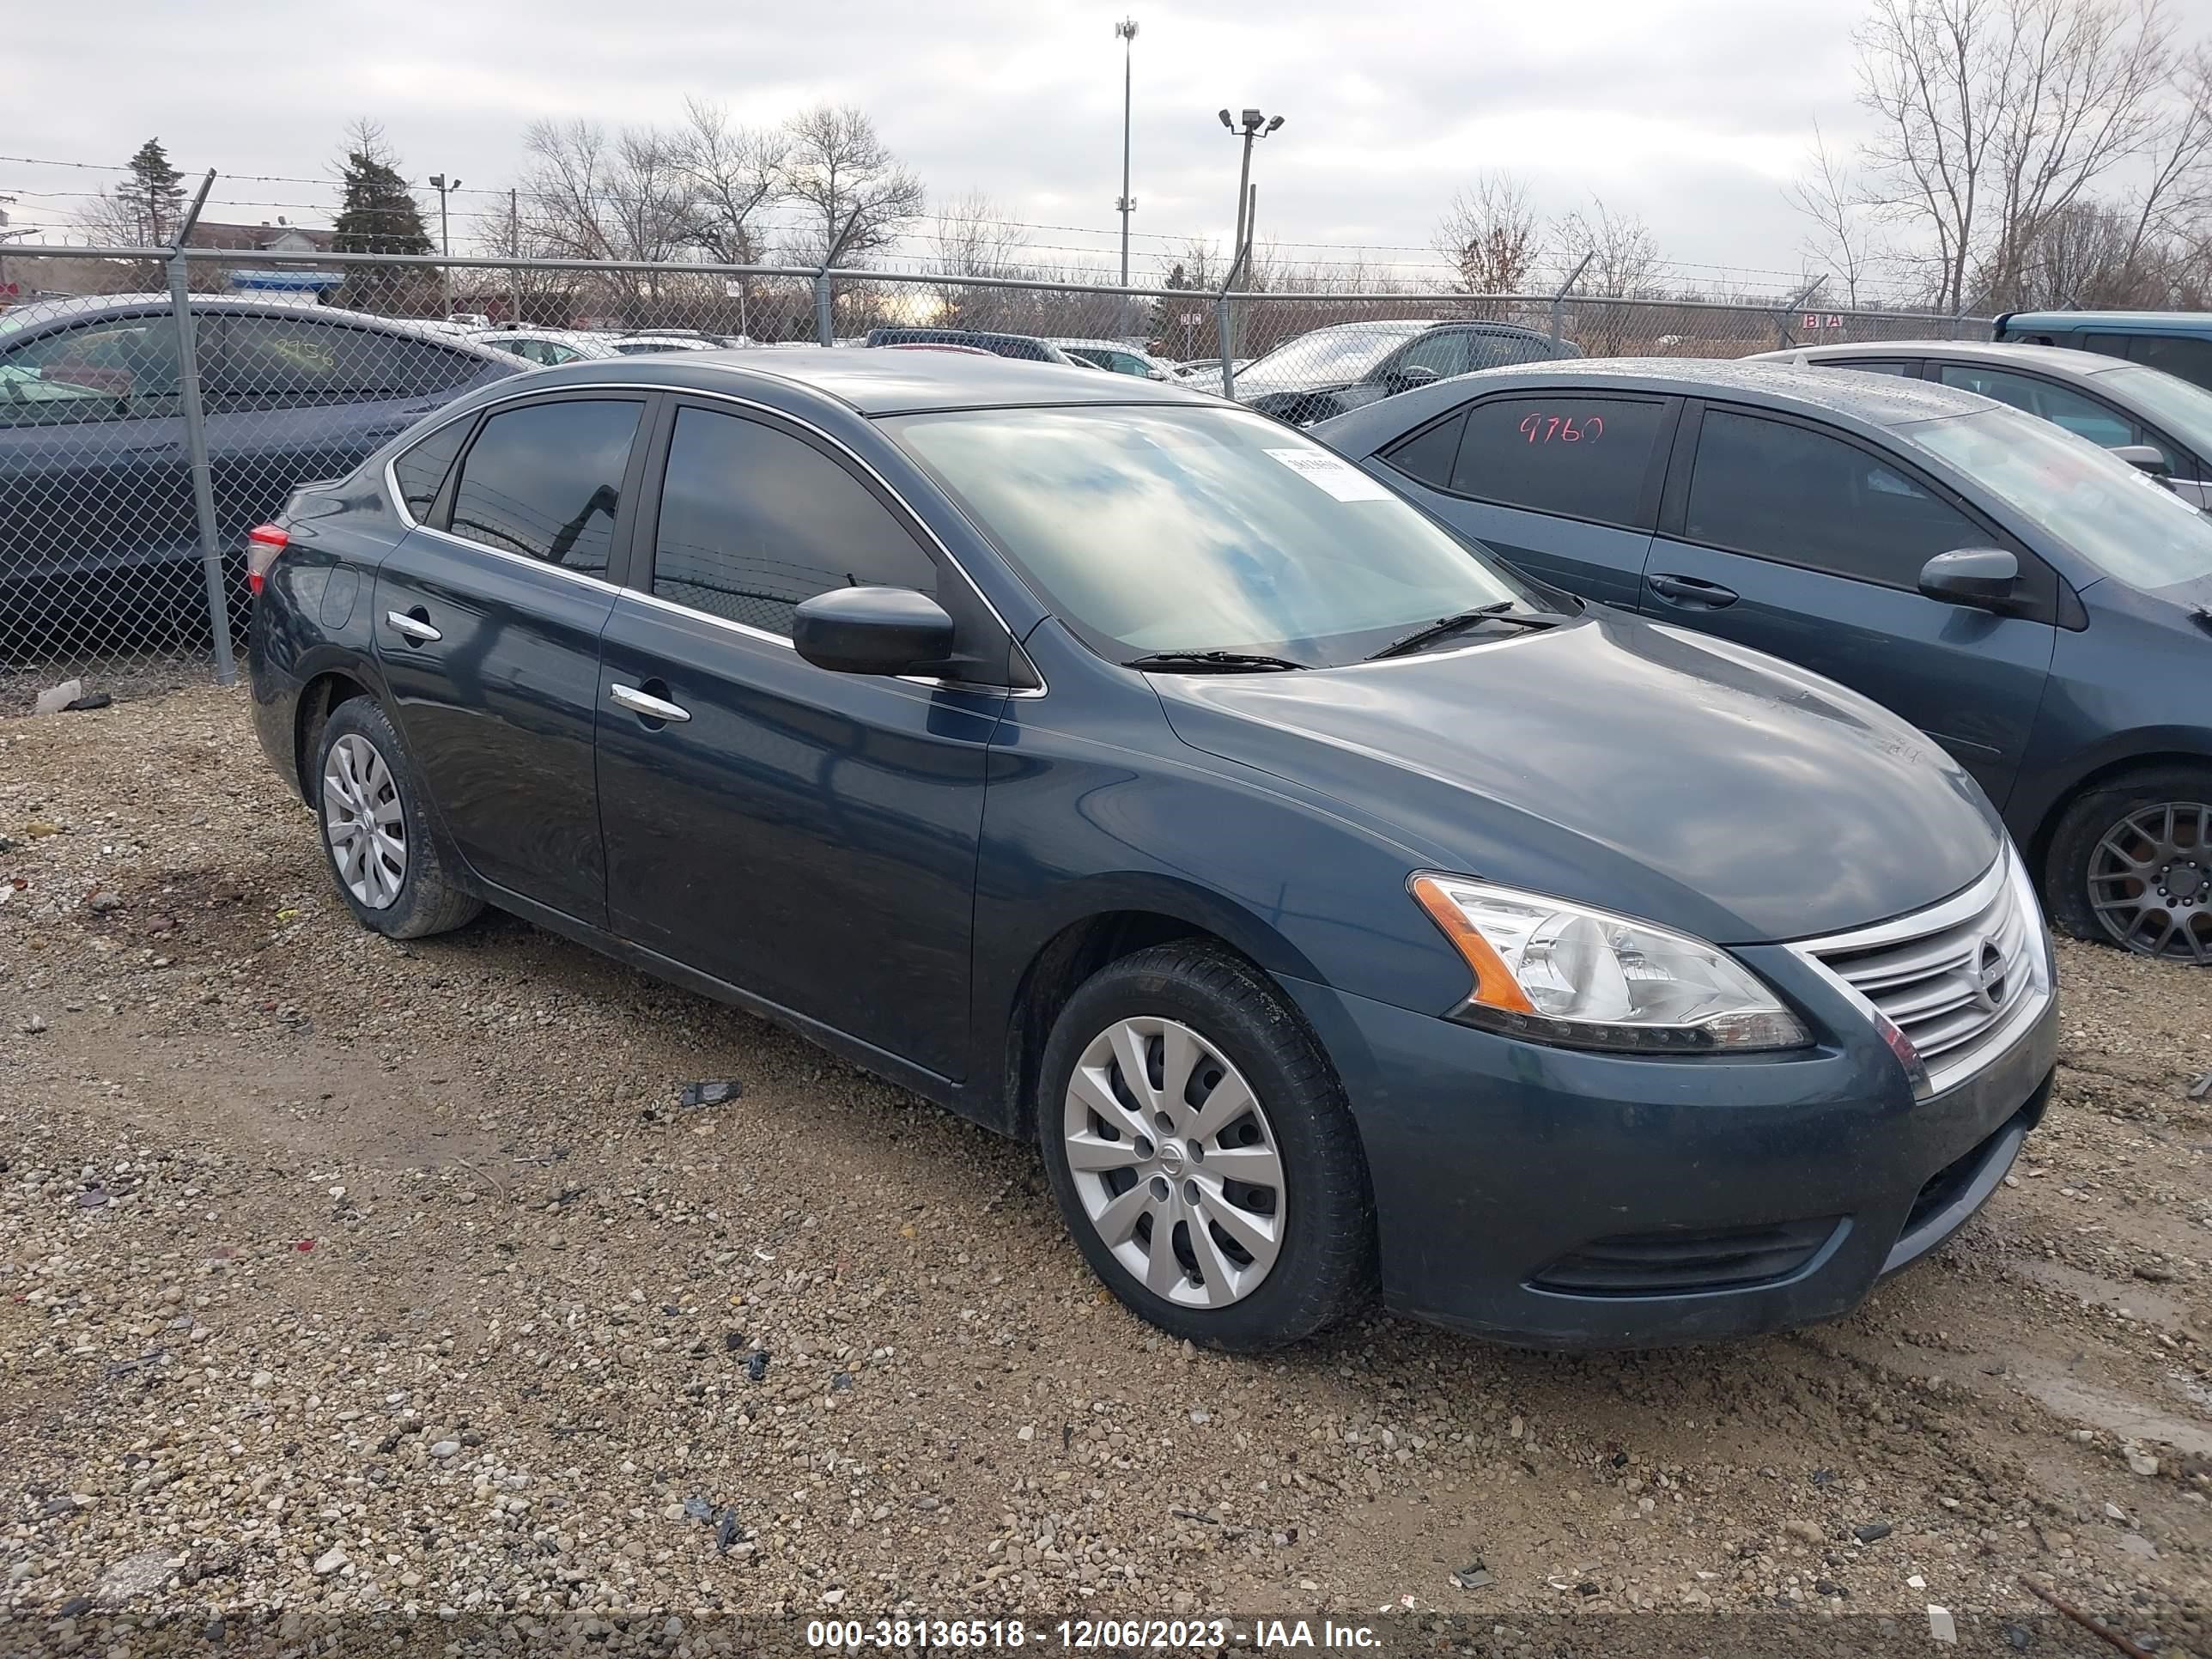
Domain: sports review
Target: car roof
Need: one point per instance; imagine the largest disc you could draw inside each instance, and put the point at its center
(2188, 322)
(2059, 360)
(1064, 341)
(1878, 400)
(879, 382)
(89, 306)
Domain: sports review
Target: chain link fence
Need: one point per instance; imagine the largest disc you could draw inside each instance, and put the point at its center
(155, 406)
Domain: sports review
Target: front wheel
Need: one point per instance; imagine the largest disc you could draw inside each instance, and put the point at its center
(1202, 1152)
(2131, 864)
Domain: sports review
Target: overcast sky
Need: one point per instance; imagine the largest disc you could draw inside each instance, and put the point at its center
(1691, 112)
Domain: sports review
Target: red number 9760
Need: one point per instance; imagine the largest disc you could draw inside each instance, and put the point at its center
(1543, 428)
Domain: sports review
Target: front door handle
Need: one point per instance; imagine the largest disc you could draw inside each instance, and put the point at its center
(415, 628)
(645, 706)
(1693, 590)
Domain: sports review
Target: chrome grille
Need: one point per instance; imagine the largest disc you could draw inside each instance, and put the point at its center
(1957, 978)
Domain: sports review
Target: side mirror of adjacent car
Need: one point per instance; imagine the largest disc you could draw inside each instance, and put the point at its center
(872, 630)
(2148, 457)
(1405, 380)
(1983, 577)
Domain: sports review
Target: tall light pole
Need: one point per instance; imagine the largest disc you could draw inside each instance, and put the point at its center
(1126, 31)
(1252, 126)
(439, 183)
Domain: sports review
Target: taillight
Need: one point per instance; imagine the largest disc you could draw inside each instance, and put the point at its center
(263, 544)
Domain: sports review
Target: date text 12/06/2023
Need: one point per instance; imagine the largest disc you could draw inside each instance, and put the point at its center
(1087, 1634)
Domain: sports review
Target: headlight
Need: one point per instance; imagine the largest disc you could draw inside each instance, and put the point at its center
(1557, 972)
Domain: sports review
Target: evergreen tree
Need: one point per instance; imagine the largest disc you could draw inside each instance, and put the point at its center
(150, 203)
(377, 214)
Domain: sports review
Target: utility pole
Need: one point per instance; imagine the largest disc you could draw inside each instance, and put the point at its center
(1126, 31)
(1253, 126)
(515, 252)
(439, 183)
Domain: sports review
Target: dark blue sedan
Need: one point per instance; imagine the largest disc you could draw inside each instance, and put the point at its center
(2040, 608)
(97, 525)
(1124, 770)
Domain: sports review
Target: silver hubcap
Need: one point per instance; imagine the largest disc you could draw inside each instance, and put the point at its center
(1174, 1162)
(367, 831)
(2150, 881)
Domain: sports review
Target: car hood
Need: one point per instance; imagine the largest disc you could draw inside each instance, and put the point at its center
(1663, 774)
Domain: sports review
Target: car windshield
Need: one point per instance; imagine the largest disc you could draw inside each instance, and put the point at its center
(1152, 530)
(2114, 515)
(2182, 407)
(1343, 353)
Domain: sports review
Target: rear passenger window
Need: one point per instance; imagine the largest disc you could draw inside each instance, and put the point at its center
(421, 468)
(272, 362)
(2082, 415)
(1801, 497)
(753, 520)
(1576, 456)
(546, 481)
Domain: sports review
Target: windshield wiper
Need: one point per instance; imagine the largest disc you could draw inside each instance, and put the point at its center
(1229, 662)
(1502, 611)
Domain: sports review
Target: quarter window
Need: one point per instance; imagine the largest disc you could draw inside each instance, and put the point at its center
(1802, 497)
(421, 468)
(1562, 453)
(753, 520)
(545, 480)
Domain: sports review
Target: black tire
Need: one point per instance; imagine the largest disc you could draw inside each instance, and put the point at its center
(2075, 856)
(1325, 1265)
(427, 900)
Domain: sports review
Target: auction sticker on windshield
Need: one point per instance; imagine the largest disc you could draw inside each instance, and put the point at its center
(1333, 473)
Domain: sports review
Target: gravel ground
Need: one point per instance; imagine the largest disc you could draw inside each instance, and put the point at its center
(338, 1276)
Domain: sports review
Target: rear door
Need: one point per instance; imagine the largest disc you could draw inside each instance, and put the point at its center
(487, 622)
(1562, 484)
(808, 836)
(1790, 537)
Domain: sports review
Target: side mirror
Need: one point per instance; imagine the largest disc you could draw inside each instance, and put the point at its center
(1155, 374)
(1983, 577)
(2148, 457)
(1405, 380)
(872, 630)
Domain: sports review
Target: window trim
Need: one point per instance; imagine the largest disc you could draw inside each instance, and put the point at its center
(1674, 516)
(1019, 660)
(625, 512)
(1649, 493)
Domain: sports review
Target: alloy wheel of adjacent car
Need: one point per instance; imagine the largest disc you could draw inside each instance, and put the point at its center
(363, 822)
(1174, 1162)
(2131, 865)
(2150, 881)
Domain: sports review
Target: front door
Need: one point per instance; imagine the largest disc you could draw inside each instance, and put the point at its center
(1795, 540)
(808, 836)
(487, 623)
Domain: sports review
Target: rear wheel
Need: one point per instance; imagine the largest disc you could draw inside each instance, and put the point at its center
(385, 864)
(1202, 1152)
(2131, 864)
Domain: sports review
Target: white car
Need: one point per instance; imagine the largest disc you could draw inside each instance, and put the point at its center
(1116, 358)
(546, 347)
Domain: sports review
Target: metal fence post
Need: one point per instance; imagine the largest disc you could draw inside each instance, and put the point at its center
(195, 449)
(825, 309)
(1225, 334)
(1559, 294)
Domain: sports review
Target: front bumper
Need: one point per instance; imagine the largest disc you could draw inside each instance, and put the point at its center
(1503, 1170)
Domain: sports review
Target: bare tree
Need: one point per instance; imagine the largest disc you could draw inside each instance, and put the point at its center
(1842, 239)
(587, 197)
(971, 237)
(735, 175)
(1492, 235)
(1994, 115)
(856, 195)
(1623, 263)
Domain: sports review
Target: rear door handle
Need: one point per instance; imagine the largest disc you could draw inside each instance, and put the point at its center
(1691, 590)
(645, 706)
(415, 629)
